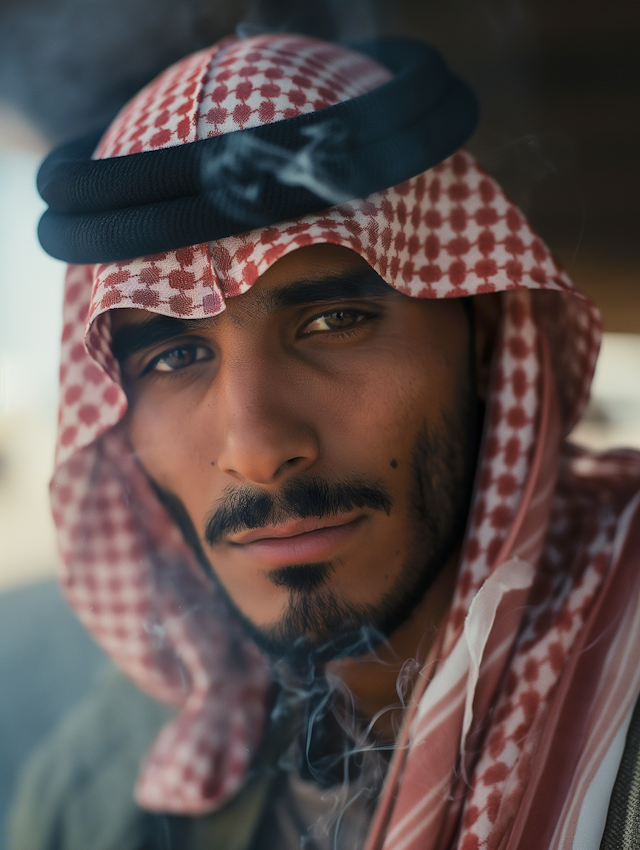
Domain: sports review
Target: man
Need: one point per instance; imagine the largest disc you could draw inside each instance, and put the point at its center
(311, 486)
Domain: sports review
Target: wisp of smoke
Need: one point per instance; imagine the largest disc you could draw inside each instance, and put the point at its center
(335, 749)
(243, 160)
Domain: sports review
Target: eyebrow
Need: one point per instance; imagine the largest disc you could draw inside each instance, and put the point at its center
(345, 286)
(129, 339)
(341, 287)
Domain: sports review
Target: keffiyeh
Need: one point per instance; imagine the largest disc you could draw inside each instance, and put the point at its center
(477, 752)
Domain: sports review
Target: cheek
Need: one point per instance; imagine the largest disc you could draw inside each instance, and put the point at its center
(171, 454)
(400, 392)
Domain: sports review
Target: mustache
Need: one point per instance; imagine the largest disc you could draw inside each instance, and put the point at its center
(245, 509)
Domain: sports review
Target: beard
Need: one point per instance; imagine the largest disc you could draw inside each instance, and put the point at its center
(319, 623)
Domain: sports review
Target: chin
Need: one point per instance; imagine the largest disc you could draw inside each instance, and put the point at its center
(351, 641)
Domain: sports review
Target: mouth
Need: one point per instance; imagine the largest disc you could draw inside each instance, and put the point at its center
(308, 540)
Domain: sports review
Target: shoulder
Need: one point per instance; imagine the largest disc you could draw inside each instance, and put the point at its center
(76, 791)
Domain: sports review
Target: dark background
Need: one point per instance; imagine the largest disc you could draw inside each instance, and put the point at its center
(558, 82)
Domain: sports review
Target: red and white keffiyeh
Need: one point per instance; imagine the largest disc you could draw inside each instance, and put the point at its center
(478, 751)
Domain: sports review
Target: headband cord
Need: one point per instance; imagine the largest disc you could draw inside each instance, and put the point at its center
(145, 203)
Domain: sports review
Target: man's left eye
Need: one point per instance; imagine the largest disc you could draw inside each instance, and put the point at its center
(337, 320)
(178, 358)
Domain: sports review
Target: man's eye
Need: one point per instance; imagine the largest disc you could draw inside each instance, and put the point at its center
(178, 358)
(337, 320)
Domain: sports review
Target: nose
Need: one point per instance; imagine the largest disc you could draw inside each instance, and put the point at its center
(266, 435)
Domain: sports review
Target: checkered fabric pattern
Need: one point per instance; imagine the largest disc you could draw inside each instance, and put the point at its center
(448, 233)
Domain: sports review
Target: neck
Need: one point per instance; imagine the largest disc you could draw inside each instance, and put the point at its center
(382, 681)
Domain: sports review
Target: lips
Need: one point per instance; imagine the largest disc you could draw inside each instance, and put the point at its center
(308, 540)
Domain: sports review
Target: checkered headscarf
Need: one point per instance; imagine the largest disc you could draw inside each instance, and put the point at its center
(447, 233)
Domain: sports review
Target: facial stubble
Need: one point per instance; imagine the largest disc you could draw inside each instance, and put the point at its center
(319, 623)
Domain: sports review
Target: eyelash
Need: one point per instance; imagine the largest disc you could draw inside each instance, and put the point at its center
(191, 348)
(359, 317)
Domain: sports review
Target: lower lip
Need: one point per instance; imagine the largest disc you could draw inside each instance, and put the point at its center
(313, 546)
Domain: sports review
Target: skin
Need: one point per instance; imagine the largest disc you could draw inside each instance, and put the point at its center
(267, 394)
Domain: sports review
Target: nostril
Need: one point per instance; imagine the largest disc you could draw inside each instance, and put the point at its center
(292, 462)
(266, 451)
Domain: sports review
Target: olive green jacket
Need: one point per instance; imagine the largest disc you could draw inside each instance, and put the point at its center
(76, 791)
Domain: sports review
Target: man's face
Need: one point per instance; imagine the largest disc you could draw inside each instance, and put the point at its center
(318, 438)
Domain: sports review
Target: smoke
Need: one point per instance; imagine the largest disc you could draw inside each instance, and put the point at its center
(242, 161)
(336, 763)
(520, 164)
(336, 20)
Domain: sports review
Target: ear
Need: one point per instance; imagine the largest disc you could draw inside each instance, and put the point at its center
(487, 310)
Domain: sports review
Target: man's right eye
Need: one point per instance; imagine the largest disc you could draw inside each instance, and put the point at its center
(178, 358)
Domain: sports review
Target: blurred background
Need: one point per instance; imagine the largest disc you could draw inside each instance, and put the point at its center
(559, 87)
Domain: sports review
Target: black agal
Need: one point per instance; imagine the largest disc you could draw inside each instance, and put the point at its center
(145, 203)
